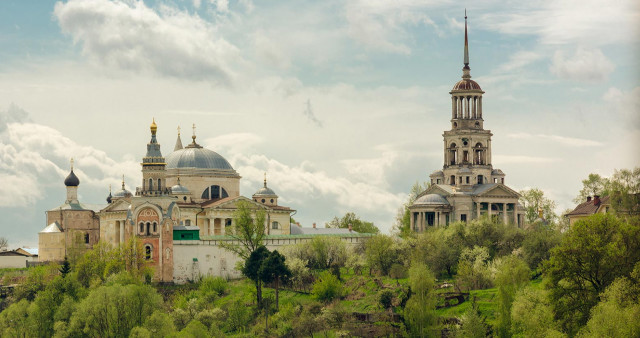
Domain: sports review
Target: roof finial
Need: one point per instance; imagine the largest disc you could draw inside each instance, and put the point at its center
(178, 130)
(71, 164)
(265, 179)
(466, 42)
(122, 181)
(194, 133)
(109, 189)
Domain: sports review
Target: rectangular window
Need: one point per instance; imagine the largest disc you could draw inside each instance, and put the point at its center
(467, 179)
(463, 217)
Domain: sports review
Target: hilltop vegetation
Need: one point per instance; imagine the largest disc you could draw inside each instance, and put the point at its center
(469, 280)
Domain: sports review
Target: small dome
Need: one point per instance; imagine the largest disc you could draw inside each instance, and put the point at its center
(466, 84)
(122, 193)
(179, 189)
(109, 198)
(437, 173)
(72, 180)
(431, 199)
(497, 172)
(264, 191)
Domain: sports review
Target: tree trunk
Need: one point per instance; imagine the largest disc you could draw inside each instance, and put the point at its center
(277, 293)
(259, 293)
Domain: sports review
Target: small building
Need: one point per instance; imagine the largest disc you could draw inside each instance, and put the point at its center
(591, 206)
(186, 233)
(17, 258)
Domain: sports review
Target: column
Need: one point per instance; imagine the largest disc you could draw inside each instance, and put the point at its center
(411, 220)
(504, 211)
(468, 99)
(515, 214)
(478, 206)
(475, 107)
(489, 210)
(222, 228)
(446, 154)
(422, 222)
(480, 107)
(453, 107)
(459, 112)
(122, 232)
(438, 218)
(489, 152)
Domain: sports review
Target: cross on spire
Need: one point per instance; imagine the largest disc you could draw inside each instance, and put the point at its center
(265, 179)
(466, 42)
(71, 164)
(178, 130)
(194, 133)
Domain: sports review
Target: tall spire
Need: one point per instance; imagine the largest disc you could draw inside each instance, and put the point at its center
(265, 179)
(466, 42)
(122, 183)
(178, 142)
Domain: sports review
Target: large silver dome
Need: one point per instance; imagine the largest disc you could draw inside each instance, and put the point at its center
(431, 199)
(198, 158)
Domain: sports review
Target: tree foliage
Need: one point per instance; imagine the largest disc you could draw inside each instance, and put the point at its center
(4, 244)
(512, 275)
(356, 223)
(248, 231)
(419, 313)
(593, 185)
(532, 314)
(534, 200)
(402, 224)
(252, 266)
(594, 252)
(327, 287)
(274, 270)
(380, 253)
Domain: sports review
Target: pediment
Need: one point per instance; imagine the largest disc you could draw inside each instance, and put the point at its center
(435, 189)
(499, 190)
(120, 205)
(231, 203)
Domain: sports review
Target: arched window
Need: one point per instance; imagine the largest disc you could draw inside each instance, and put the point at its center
(148, 228)
(452, 180)
(141, 228)
(86, 238)
(213, 192)
(453, 154)
(148, 252)
(150, 184)
(480, 179)
(155, 227)
(478, 157)
(159, 185)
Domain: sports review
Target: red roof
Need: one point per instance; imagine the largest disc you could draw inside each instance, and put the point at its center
(589, 207)
(466, 84)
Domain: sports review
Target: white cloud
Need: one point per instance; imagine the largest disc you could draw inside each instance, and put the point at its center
(585, 66)
(626, 104)
(504, 159)
(134, 37)
(519, 60)
(382, 25)
(557, 22)
(564, 140)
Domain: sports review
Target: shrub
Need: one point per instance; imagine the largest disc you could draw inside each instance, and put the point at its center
(217, 285)
(327, 287)
(398, 271)
(385, 297)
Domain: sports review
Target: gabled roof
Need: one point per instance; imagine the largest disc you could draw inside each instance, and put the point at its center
(28, 251)
(119, 205)
(229, 203)
(79, 206)
(488, 189)
(589, 207)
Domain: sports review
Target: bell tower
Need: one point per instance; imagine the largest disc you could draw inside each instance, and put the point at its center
(153, 168)
(467, 145)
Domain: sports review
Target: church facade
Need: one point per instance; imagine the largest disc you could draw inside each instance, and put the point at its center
(467, 187)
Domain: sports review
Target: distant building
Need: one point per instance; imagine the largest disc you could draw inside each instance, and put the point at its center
(17, 258)
(590, 207)
(468, 186)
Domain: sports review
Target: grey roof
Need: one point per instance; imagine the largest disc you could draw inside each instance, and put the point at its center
(122, 193)
(497, 172)
(79, 206)
(72, 180)
(197, 157)
(32, 251)
(431, 199)
(296, 230)
(53, 227)
(186, 227)
(437, 173)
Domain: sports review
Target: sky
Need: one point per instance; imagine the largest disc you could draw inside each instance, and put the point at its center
(342, 103)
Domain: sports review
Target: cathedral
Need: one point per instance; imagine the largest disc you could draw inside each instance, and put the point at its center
(467, 187)
(193, 189)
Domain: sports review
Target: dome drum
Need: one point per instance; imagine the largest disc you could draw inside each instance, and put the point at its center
(430, 199)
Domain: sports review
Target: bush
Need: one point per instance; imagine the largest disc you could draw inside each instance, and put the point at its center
(385, 298)
(217, 285)
(327, 287)
(398, 271)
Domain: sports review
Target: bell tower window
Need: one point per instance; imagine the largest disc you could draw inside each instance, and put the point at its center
(452, 180)
(453, 154)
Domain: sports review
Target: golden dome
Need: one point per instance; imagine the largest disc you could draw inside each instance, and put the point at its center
(153, 127)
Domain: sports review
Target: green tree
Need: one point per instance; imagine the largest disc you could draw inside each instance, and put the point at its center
(66, 267)
(14, 320)
(616, 315)
(625, 191)
(594, 252)
(537, 244)
(274, 270)
(402, 224)
(472, 324)
(593, 185)
(252, 267)
(439, 248)
(512, 275)
(159, 324)
(356, 223)
(532, 314)
(419, 313)
(534, 200)
(248, 231)
(327, 287)
(380, 253)
(4, 244)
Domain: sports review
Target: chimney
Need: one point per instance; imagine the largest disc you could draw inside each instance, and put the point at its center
(588, 198)
(350, 227)
(596, 200)
(314, 225)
